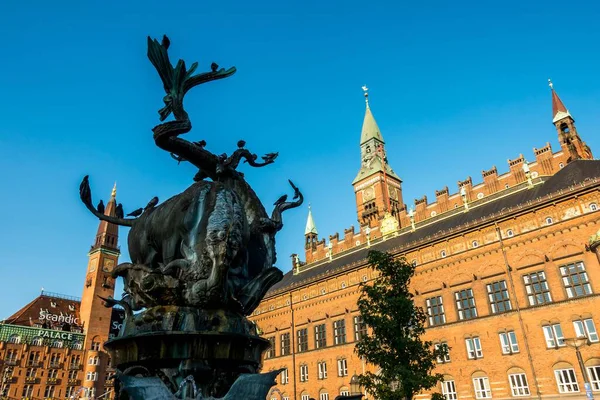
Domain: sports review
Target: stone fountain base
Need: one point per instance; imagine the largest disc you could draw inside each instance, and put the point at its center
(183, 346)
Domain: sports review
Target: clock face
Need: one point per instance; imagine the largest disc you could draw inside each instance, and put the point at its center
(368, 194)
(93, 265)
(108, 265)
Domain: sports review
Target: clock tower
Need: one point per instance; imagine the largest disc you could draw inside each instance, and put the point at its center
(96, 318)
(377, 188)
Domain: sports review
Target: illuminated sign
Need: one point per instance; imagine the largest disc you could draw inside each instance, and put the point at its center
(46, 315)
(55, 334)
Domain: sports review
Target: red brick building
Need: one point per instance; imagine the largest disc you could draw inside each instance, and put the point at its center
(507, 269)
(52, 347)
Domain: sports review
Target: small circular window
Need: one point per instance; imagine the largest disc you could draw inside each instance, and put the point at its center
(305, 297)
(506, 186)
(323, 291)
(433, 213)
(414, 262)
(480, 196)
(365, 278)
(343, 285)
(561, 165)
(534, 174)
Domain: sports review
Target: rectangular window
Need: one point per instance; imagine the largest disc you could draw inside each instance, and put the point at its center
(360, 328)
(508, 341)
(303, 373)
(49, 391)
(537, 288)
(285, 378)
(482, 388)
(518, 385)
(322, 367)
(339, 331)
(566, 380)
(285, 344)
(465, 303)
(73, 374)
(473, 348)
(320, 336)
(270, 353)
(554, 336)
(449, 390)
(594, 375)
(342, 367)
(586, 328)
(446, 357)
(302, 340)
(435, 309)
(575, 280)
(498, 297)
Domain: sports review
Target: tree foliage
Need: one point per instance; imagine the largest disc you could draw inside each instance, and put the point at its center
(396, 325)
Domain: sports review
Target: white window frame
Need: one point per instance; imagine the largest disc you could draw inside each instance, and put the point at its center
(344, 393)
(554, 336)
(91, 376)
(482, 387)
(593, 207)
(305, 397)
(594, 376)
(508, 342)
(285, 377)
(449, 390)
(474, 350)
(586, 328)
(572, 386)
(342, 367)
(303, 373)
(549, 220)
(324, 396)
(446, 357)
(322, 367)
(519, 385)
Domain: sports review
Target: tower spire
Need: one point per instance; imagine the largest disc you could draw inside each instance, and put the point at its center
(559, 111)
(108, 234)
(310, 224)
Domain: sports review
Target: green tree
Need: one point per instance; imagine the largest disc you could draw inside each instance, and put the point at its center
(396, 325)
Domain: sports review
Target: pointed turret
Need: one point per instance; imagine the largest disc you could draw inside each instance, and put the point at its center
(377, 187)
(569, 139)
(310, 232)
(108, 234)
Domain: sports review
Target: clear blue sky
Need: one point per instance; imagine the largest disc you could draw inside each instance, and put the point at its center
(456, 87)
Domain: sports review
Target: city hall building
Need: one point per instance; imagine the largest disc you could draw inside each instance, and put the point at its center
(506, 267)
(52, 348)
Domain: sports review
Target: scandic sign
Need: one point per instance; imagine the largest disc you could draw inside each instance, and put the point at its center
(46, 315)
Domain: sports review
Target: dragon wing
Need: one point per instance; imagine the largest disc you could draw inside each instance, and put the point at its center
(159, 57)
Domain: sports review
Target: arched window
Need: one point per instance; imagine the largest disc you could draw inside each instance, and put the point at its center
(509, 233)
(549, 221)
(14, 338)
(323, 395)
(305, 396)
(481, 384)
(449, 388)
(57, 343)
(344, 391)
(592, 367)
(593, 207)
(443, 253)
(343, 285)
(37, 341)
(564, 373)
(518, 382)
(78, 345)
(95, 345)
(474, 244)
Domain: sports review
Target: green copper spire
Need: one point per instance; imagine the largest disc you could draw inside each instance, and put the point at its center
(370, 130)
(310, 224)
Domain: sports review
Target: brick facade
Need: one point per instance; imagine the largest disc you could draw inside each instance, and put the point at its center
(486, 245)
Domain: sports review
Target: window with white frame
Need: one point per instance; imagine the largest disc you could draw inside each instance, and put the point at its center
(593, 207)
(91, 376)
(322, 368)
(303, 373)
(285, 398)
(94, 360)
(446, 357)
(586, 328)
(510, 233)
(482, 387)
(339, 331)
(549, 220)
(285, 344)
(342, 367)
(473, 348)
(519, 385)
(498, 297)
(508, 342)
(566, 380)
(435, 309)
(344, 392)
(443, 253)
(324, 396)
(474, 244)
(284, 377)
(554, 336)
(14, 338)
(360, 328)
(537, 288)
(575, 280)
(37, 341)
(449, 390)
(465, 304)
(594, 375)
(305, 397)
